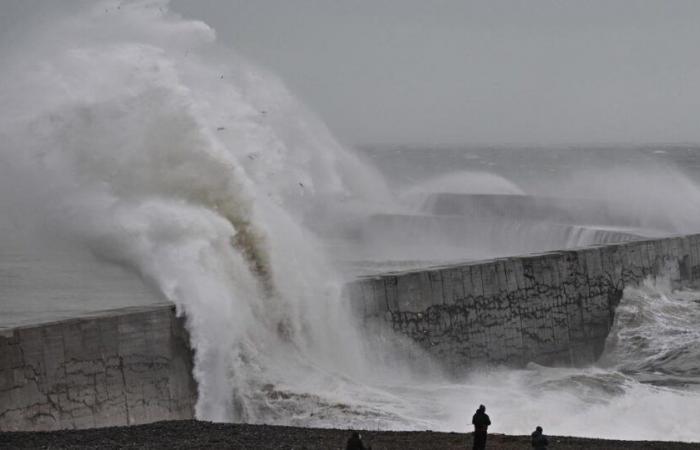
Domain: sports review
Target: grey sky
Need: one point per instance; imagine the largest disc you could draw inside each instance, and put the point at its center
(452, 72)
(439, 71)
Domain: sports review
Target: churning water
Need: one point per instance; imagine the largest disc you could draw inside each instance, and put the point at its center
(128, 135)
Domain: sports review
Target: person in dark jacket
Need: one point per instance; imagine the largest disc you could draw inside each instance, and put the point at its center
(539, 440)
(355, 442)
(481, 422)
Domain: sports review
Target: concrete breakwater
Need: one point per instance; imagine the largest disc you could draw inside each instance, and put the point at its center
(134, 365)
(550, 308)
(121, 367)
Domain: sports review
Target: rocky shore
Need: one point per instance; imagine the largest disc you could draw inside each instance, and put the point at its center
(194, 434)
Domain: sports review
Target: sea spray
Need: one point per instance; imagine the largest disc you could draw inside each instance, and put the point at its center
(196, 174)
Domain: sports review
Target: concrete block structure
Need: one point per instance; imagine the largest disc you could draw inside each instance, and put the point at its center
(122, 367)
(551, 308)
(134, 365)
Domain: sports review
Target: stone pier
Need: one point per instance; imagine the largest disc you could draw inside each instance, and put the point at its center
(134, 365)
(550, 308)
(121, 367)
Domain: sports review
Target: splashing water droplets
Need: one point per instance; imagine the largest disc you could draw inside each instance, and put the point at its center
(123, 129)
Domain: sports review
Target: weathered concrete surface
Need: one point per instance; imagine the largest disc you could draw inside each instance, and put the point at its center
(134, 365)
(123, 367)
(551, 308)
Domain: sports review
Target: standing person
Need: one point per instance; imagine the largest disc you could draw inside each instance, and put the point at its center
(481, 422)
(355, 442)
(539, 440)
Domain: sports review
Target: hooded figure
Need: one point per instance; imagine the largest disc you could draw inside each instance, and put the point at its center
(481, 422)
(539, 440)
(355, 442)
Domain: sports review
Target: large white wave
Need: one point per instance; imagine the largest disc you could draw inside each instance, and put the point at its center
(140, 137)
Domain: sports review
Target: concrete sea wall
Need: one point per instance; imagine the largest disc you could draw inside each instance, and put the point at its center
(550, 308)
(123, 367)
(134, 365)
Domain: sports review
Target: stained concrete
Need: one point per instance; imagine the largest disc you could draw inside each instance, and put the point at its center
(550, 308)
(134, 365)
(121, 367)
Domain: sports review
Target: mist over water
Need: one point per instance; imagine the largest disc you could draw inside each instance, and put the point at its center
(129, 135)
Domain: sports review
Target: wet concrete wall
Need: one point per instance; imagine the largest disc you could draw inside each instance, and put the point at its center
(134, 365)
(123, 367)
(551, 308)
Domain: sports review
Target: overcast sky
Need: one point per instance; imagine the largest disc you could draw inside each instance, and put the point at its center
(535, 71)
(464, 71)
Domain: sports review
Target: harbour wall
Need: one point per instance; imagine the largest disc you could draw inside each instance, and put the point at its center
(121, 367)
(134, 365)
(550, 308)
